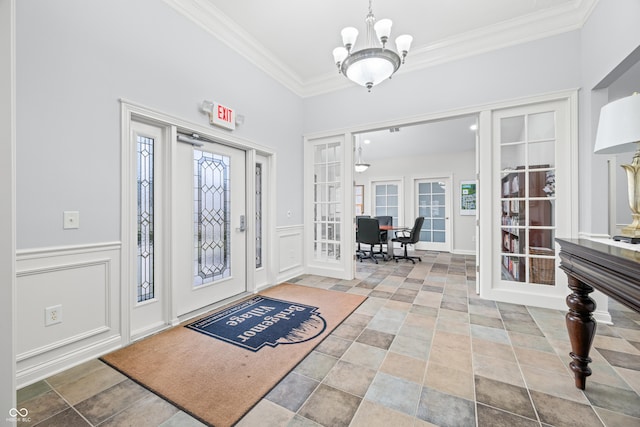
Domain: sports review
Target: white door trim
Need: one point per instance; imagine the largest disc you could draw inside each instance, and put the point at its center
(484, 140)
(131, 111)
(8, 305)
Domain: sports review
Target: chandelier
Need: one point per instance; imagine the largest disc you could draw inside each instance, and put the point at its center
(360, 166)
(373, 64)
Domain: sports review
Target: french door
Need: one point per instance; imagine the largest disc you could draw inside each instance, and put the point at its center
(209, 223)
(387, 200)
(433, 202)
(531, 203)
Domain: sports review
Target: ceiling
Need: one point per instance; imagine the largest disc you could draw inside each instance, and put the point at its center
(292, 40)
(423, 139)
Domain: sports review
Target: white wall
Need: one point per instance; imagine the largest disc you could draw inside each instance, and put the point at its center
(542, 66)
(76, 59)
(624, 86)
(460, 165)
(7, 212)
(610, 35)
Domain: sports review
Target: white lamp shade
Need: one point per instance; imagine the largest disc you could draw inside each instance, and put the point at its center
(403, 43)
(619, 126)
(349, 36)
(370, 70)
(339, 54)
(383, 28)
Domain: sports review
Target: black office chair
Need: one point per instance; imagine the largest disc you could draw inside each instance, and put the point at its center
(359, 251)
(368, 234)
(384, 234)
(411, 239)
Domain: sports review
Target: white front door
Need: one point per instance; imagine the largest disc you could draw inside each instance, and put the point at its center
(432, 201)
(208, 214)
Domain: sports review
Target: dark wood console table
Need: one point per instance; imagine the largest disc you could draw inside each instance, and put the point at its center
(591, 265)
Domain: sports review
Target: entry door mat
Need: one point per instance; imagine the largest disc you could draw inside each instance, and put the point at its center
(262, 321)
(219, 376)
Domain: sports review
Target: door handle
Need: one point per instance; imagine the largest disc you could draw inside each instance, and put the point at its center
(243, 225)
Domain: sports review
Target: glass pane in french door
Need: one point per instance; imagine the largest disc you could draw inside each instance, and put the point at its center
(527, 178)
(387, 200)
(327, 203)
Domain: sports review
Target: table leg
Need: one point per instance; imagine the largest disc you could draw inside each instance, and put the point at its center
(389, 246)
(581, 328)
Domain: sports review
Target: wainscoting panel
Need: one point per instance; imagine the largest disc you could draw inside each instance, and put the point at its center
(290, 249)
(81, 284)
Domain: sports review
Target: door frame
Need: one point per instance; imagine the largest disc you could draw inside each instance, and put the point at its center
(483, 174)
(134, 112)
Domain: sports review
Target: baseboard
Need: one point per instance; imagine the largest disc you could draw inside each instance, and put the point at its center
(150, 330)
(583, 235)
(603, 317)
(463, 252)
(289, 273)
(35, 373)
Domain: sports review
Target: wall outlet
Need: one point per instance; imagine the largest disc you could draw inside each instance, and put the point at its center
(53, 315)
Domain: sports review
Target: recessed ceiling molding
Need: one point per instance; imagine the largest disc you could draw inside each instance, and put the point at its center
(548, 22)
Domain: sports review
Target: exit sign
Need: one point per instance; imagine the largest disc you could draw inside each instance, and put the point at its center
(223, 116)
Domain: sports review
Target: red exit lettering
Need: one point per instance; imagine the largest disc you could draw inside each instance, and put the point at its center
(225, 113)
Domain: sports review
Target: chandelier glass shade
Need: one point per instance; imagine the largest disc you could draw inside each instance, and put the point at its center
(375, 63)
(360, 166)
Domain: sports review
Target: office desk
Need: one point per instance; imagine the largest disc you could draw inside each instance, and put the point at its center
(609, 268)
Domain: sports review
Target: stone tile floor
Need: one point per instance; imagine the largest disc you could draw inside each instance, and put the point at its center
(422, 350)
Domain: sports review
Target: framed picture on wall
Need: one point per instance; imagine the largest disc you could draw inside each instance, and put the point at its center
(467, 197)
(358, 195)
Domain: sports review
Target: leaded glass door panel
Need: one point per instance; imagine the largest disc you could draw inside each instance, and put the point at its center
(148, 292)
(209, 237)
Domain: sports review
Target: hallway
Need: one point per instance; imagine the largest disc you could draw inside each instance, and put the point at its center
(422, 350)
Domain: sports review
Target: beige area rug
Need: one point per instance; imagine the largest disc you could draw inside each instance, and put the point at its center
(215, 381)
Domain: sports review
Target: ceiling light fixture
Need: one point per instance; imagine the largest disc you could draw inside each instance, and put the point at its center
(360, 166)
(373, 64)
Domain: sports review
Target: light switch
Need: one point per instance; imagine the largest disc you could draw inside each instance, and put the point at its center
(71, 220)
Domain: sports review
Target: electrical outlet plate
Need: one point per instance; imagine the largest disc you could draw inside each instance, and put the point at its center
(53, 315)
(71, 220)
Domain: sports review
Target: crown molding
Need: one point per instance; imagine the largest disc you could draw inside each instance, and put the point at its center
(549, 22)
(213, 21)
